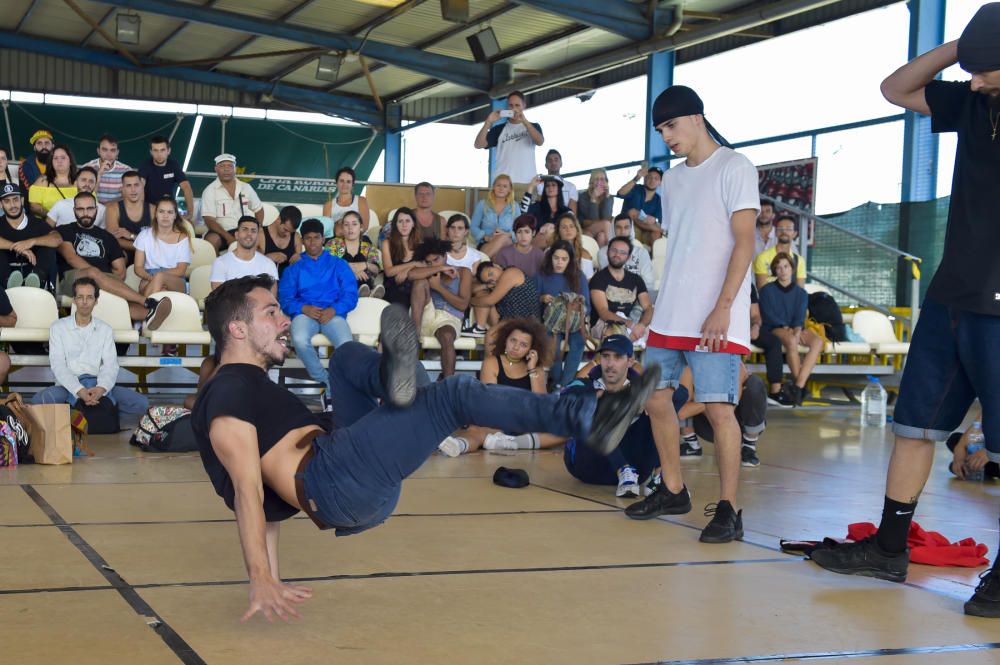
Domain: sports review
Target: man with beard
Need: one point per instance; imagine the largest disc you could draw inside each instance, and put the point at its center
(225, 200)
(614, 292)
(786, 231)
(953, 357)
(27, 244)
(244, 259)
(32, 167)
(61, 211)
(644, 205)
(268, 459)
(92, 252)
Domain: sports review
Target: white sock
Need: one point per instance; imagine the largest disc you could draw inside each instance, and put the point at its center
(526, 442)
(750, 440)
(464, 442)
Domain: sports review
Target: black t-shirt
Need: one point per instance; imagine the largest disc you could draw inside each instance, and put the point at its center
(36, 228)
(622, 295)
(5, 307)
(245, 392)
(969, 275)
(161, 180)
(94, 245)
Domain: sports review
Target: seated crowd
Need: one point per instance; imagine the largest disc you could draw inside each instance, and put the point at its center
(515, 271)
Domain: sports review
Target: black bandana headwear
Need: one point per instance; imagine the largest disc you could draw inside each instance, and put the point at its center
(680, 100)
(979, 45)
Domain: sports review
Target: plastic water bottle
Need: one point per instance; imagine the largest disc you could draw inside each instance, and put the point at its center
(977, 441)
(873, 403)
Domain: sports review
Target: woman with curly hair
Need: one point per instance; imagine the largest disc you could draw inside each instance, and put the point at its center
(518, 359)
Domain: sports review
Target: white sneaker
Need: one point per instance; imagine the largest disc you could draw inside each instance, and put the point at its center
(628, 482)
(499, 441)
(451, 447)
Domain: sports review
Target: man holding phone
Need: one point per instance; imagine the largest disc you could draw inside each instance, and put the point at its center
(515, 139)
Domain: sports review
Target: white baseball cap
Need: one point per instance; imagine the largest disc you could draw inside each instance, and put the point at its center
(225, 157)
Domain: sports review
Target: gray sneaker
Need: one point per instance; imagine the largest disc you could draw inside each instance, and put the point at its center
(32, 280)
(15, 280)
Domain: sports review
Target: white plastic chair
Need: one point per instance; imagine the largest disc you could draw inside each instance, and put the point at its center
(200, 284)
(183, 326)
(310, 209)
(373, 225)
(202, 254)
(114, 311)
(448, 214)
(189, 228)
(270, 214)
(131, 279)
(877, 330)
(591, 246)
(36, 311)
(814, 287)
(365, 321)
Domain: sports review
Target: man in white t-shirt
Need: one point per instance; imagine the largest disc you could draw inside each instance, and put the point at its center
(244, 259)
(62, 212)
(225, 200)
(702, 313)
(515, 140)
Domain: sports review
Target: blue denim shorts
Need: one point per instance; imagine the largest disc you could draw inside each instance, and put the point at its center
(953, 360)
(716, 375)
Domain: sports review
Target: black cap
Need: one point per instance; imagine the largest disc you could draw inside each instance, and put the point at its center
(9, 189)
(513, 478)
(655, 168)
(680, 100)
(979, 45)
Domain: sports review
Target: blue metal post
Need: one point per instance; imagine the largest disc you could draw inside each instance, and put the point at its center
(495, 105)
(659, 77)
(920, 147)
(393, 161)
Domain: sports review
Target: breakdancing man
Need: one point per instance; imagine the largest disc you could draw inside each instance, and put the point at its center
(267, 457)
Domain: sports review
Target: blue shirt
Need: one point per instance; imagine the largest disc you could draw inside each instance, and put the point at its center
(637, 199)
(485, 220)
(783, 307)
(326, 281)
(557, 284)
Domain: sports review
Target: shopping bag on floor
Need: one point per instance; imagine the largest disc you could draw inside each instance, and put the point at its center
(51, 439)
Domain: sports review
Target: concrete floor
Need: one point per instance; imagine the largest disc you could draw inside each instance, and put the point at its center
(127, 557)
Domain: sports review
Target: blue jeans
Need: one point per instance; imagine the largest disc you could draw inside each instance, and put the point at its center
(355, 474)
(303, 329)
(128, 401)
(716, 375)
(562, 372)
(952, 361)
(637, 450)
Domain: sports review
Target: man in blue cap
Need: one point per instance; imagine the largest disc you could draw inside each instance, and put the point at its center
(702, 314)
(953, 359)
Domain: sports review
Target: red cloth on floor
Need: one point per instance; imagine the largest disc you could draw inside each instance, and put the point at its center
(930, 547)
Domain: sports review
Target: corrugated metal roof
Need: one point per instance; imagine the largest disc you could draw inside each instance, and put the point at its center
(531, 39)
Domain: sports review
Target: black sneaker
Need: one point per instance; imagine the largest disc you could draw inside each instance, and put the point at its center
(661, 502)
(780, 399)
(474, 331)
(864, 558)
(615, 411)
(400, 349)
(986, 601)
(748, 456)
(796, 394)
(726, 525)
(157, 311)
(687, 450)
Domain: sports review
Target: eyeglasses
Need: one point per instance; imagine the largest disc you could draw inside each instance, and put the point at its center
(623, 252)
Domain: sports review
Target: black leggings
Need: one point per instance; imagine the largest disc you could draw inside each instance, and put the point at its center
(774, 355)
(45, 265)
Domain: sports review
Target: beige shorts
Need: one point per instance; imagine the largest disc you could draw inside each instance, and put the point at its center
(435, 319)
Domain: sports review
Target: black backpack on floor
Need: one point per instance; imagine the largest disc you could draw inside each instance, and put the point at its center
(102, 418)
(825, 310)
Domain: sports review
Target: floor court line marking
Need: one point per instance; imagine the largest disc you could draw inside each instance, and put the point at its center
(174, 642)
(485, 571)
(302, 517)
(403, 574)
(809, 656)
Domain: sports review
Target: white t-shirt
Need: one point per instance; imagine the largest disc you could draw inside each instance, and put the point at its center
(161, 255)
(515, 151)
(471, 258)
(699, 203)
(62, 213)
(229, 266)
